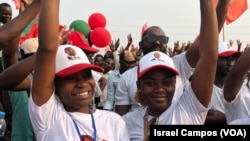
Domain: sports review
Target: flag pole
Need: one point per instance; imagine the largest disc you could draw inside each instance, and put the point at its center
(223, 31)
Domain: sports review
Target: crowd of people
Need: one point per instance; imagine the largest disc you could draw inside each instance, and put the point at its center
(56, 86)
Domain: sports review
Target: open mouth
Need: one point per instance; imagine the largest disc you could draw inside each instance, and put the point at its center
(82, 94)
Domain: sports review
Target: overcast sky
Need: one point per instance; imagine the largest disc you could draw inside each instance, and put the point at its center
(180, 19)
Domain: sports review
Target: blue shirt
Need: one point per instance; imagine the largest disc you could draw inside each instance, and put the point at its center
(113, 80)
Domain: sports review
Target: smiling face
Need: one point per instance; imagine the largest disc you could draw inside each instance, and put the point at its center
(76, 91)
(157, 89)
(5, 13)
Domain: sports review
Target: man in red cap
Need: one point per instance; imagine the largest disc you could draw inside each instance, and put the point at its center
(226, 60)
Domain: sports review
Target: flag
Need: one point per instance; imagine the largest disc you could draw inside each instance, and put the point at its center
(31, 31)
(17, 3)
(144, 28)
(235, 10)
(215, 2)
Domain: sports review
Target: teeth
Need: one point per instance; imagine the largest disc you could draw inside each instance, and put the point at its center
(80, 94)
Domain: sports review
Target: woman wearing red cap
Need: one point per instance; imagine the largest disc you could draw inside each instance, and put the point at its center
(63, 88)
(157, 81)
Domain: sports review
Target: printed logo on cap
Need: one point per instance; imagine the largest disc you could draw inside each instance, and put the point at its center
(71, 53)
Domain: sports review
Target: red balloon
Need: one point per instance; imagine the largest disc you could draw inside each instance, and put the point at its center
(97, 20)
(100, 37)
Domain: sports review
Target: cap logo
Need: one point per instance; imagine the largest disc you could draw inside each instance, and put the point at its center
(71, 53)
(157, 57)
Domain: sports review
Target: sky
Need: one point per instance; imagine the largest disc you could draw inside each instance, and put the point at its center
(180, 19)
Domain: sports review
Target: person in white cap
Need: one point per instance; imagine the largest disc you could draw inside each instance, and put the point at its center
(63, 88)
(154, 38)
(226, 60)
(78, 39)
(236, 99)
(28, 47)
(157, 82)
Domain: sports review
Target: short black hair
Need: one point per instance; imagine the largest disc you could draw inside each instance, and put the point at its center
(4, 5)
(99, 55)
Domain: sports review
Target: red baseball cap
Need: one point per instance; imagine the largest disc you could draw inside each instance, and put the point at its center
(78, 39)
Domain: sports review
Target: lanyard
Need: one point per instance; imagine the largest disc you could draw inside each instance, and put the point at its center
(93, 125)
(147, 124)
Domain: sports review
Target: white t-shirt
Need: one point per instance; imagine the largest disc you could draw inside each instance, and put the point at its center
(217, 102)
(186, 111)
(244, 121)
(104, 91)
(127, 87)
(238, 108)
(97, 76)
(52, 123)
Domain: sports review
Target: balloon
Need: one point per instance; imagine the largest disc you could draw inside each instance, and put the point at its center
(97, 20)
(100, 37)
(81, 26)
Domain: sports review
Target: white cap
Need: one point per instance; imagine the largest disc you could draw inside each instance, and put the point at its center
(155, 59)
(30, 45)
(71, 59)
(224, 50)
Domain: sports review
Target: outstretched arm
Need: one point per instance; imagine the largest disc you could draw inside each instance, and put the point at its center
(9, 42)
(18, 83)
(13, 28)
(237, 76)
(10, 58)
(46, 53)
(208, 50)
(221, 12)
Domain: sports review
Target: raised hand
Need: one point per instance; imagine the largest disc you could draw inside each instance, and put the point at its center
(231, 42)
(63, 36)
(170, 52)
(239, 43)
(177, 48)
(114, 46)
(130, 40)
